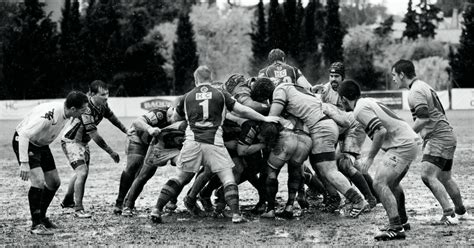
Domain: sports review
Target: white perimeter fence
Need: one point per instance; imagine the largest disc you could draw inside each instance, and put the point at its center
(135, 106)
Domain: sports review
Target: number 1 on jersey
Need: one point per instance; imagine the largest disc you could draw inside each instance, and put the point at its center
(205, 109)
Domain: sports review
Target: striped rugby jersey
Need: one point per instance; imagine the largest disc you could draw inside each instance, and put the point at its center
(154, 118)
(78, 129)
(372, 115)
(281, 72)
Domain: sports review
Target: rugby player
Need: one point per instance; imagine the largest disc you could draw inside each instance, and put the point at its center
(394, 136)
(76, 137)
(204, 108)
(280, 72)
(328, 91)
(439, 141)
(139, 135)
(31, 146)
(163, 148)
(304, 105)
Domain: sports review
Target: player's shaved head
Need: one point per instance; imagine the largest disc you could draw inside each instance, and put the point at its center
(202, 74)
(349, 89)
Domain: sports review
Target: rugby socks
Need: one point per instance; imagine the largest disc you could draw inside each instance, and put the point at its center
(170, 191)
(293, 187)
(353, 196)
(370, 183)
(362, 185)
(212, 185)
(402, 212)
(272, 189)
(448, 212)
(126, 181)
(34, 199)
(314, 183)
(395, 223)
(231, 195)
(46, 198)
(460, 210)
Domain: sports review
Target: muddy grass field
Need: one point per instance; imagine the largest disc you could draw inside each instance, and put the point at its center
(180, 228)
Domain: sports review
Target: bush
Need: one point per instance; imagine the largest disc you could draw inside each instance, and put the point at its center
(432, 70)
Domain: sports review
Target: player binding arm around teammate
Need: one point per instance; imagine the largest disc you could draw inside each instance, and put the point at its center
(139, 136)
(204, 108)
(31, 146)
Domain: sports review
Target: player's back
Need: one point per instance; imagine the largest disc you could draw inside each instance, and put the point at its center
(300, 103)
(280, 72)
(371, 114)
(204, 108)
(422, 95)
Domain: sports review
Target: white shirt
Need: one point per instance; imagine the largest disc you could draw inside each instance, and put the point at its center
(41, 126)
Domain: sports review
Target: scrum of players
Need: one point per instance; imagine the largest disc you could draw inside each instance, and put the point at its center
(248, 129)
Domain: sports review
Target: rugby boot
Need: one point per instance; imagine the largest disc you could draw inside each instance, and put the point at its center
(155, 216)
(40, 229)
(358, 208)
(391, 234)
(270, 214)
(259, 208)
(127, 212)
(449, 220)
(206, 204)
(238, 218)
(171, 206)
(406, 226)
(464, 217)
(117, 209)
(81, 214)
(48, 223)
(65, 204)
(192, 206)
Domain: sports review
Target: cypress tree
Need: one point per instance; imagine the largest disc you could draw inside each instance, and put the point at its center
(259, 39)
(462, 62)
(185, 58)
(277, 32)
(30, 56)
(429, 14)
(334, 34)
(412, 30)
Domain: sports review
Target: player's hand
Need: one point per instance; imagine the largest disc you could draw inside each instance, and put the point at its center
(366, 165)
(273, 119)
(317, 88)
(115, 157)
(24, 171)
(154, 131)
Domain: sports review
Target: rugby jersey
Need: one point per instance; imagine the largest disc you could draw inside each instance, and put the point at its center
(42, 125)
(78, 129)
(154, 118)
(372, 115)
(424, 103)
(300, 103)
(280, 72)
(204, 108)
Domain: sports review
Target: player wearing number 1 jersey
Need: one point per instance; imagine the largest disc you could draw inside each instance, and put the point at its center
(439, 141)
(204, 108)
(280, 72)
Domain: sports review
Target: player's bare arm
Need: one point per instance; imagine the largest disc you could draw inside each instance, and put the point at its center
(420, 123)
(101, 143)
(377, 141)
(245, 150)
(251, 114)
(116, 122)
(246, 100)
(336, 116)
(276, 109)
(234, 118)
(141, 124)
